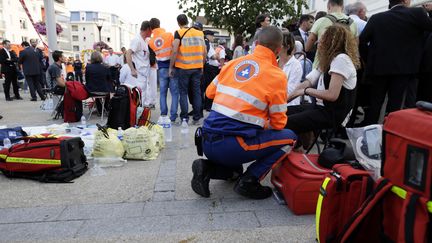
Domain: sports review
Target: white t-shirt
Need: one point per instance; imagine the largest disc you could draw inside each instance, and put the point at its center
(342, 65)
(126, 76)
(112, 60)
(222, 55)
(140, 55)
(293, 70)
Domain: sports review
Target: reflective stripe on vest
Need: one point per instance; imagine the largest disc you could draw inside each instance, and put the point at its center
(3, 156)
(250, 119)
(319, 205)
(191, 49)
(243, 96)
(215, 81)
(33, 161)
(278, 108)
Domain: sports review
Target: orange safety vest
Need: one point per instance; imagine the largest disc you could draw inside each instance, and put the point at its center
(190, 54)
(252, 89)
(161, 44)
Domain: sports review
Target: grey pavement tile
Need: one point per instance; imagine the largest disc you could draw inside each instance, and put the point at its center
(164, 187)
(213, 221)
(244, 204)
(169, 179)
(124, 226)
(182, 207)
(16, 215)
(167, 172)
(97, 211)
(39, 231)
(281, 217)
(168, 162)
(163, 196)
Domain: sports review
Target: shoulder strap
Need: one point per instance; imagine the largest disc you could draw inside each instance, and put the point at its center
(374, 198)
(181, 37)
(332, 18)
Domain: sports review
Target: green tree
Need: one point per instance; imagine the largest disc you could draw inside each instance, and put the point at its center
(238, 16)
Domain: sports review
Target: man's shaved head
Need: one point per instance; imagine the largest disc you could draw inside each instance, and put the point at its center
(271, 37)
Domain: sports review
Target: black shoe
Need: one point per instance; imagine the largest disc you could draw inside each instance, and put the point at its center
(191, 113)
(249, 186)
(18, 98)
(9, 99)
(33, 99)
(201, 179)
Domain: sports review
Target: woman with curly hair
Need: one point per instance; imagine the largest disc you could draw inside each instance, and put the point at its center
(332, 84)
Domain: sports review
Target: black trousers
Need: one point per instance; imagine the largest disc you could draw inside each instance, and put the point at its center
(114, 72)
(79, 76)
(210, 72)
(33, 82)
(308, 117)
(11, 78)
(424, 91)
(400, 89)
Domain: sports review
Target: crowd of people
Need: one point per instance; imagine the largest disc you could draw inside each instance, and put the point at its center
(265, 99)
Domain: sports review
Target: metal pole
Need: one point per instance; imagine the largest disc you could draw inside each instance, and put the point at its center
(50, 22)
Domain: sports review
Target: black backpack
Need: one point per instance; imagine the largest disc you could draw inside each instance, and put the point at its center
(119, 109)
(346, 22)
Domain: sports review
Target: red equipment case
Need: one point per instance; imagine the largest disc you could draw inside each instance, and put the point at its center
(299, 178)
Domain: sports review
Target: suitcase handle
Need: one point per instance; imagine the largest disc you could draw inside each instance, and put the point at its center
(424, 106)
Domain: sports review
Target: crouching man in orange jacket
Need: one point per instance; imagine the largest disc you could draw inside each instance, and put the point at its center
(246, 122)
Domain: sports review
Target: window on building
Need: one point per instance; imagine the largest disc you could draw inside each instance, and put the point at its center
(75, 38)
(74, 27)
(23, 24)
(84, 38)
(75, 16)
(83, 28)
(23, 38)
(75, 48)
(109, 39)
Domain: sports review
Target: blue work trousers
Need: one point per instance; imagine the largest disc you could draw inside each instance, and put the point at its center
(267, 148)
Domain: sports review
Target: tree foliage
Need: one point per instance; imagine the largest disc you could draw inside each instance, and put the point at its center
(238, 16)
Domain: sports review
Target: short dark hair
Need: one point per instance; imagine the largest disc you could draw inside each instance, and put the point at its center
(238, 41)
(4, 42)
(260, 18)
(393, 3)
(25, 44)
(337, 2)
(145, 25)
(270, 37)
(182, 19)
(320, 14)
(154, 23)
(56, 55)
(305, 18)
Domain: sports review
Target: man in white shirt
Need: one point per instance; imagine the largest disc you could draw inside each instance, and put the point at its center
(357, 11)
(138, 56)
(114, 63)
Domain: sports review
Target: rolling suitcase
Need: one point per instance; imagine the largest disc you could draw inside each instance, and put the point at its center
(299, 178)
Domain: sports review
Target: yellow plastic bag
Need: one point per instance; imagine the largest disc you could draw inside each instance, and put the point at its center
(139, 144)
(110, 147)
(158, 132)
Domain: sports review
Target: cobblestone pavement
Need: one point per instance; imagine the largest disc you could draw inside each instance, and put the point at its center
(143, 201)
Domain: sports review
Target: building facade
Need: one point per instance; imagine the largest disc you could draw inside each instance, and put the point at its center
(16, 26)
(373, 6)
(115, 32)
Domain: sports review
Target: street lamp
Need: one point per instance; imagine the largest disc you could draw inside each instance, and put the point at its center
(99, 24)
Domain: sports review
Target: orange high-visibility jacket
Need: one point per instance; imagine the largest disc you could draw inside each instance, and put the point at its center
(161, 44)
(252, 89)
(192, 46)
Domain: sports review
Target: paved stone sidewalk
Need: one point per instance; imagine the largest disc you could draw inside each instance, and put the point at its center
(143, 201)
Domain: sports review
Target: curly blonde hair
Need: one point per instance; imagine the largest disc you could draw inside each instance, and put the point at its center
(337, 39)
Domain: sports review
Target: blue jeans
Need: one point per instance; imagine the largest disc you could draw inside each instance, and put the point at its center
(166, 82)
(267, 148)
(185, 78)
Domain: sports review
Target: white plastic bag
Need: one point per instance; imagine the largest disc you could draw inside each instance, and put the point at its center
(47, 105)
(367, 145)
